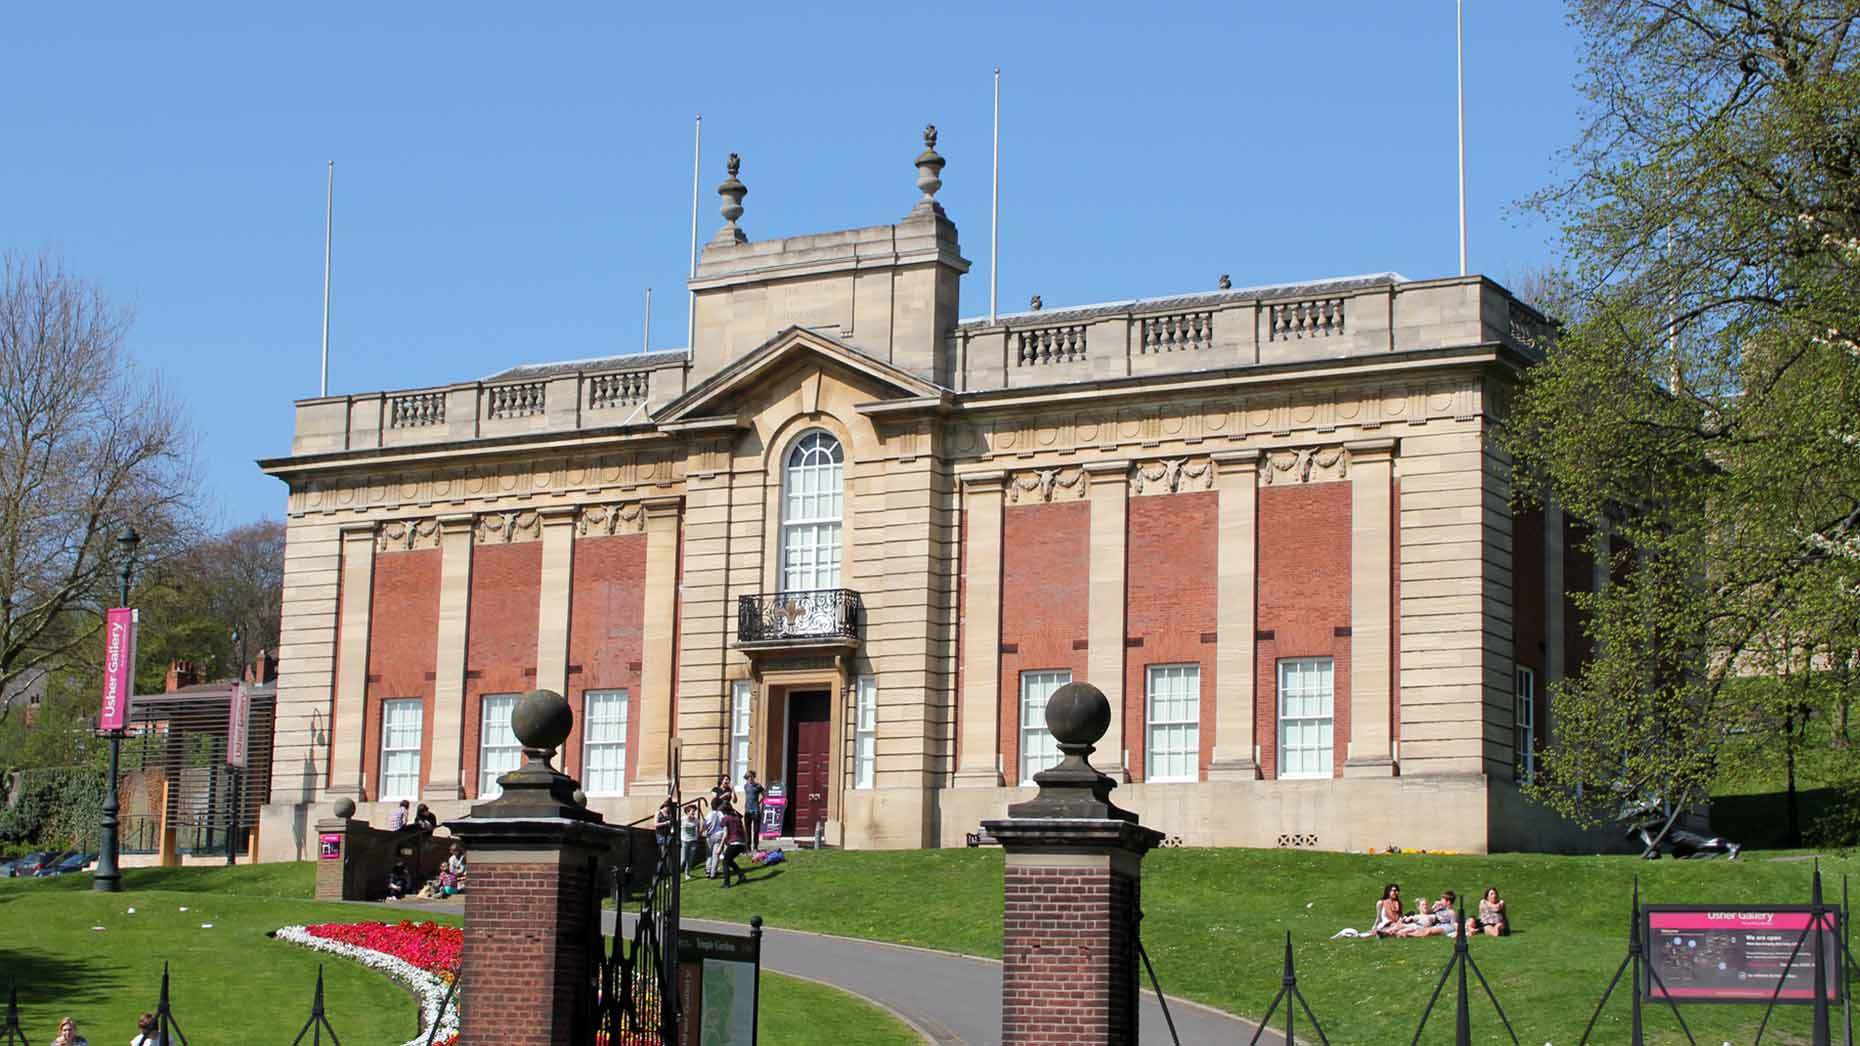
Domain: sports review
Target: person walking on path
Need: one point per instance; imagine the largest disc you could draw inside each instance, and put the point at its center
(733, 836)
(752, 807)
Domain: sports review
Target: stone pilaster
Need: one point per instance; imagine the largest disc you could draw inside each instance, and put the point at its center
(444, 777)
(558, 572)
(1237, 485)
(979, 765)
(358, 579)
(1109, 491)
(657, 656)
(1371, 599)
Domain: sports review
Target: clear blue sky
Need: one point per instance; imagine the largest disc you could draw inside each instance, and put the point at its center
(507, 187)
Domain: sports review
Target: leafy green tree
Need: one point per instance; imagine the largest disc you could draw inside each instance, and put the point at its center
(1701, 410)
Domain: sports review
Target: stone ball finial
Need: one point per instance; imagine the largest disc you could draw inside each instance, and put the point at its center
(580, 797)
(929, 168)
(345, 808)
(1227, 282)
(542, 720)
(1078, 714)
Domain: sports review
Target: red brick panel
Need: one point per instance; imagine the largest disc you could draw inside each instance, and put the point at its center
(1530, 640)
(1304, 599)
(606, 632)
(1578, 576)
(403, 647)
(500, 637)
(1172, 592)
(1069, 957)
(525, 958)
(1045, 597)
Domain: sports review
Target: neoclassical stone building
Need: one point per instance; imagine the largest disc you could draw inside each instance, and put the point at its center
(852, 541)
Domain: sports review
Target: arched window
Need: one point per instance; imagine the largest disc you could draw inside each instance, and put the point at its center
(811, 506)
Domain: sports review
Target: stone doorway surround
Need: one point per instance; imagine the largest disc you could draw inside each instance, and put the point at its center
(769, 727)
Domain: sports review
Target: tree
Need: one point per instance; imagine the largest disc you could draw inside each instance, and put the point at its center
(1701, 409)
(87, 446)
(193, 604)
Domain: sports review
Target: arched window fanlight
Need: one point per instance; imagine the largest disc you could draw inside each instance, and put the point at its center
(813, 476)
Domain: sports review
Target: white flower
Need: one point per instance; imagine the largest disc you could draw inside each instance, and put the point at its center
(427, 987)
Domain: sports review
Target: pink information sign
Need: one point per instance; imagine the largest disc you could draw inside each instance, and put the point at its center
(1739, 954)
(119, 667)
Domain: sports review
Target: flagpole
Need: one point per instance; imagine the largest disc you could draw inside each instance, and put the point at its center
(329, 220)
(994, 218)
(1459, 55)
(645, 339)
(697, 152)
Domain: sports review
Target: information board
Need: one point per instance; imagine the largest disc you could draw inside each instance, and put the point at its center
(774, 807)
(1738, 954)
(718, 981)
(329, 846)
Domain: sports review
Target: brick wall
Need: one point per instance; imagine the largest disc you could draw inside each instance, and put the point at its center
(526, 950)
(1069, 974)
(606, 632)
(1045, 604)
(500, 637)
(1304, 598)
(403, 646)
(1172, 593)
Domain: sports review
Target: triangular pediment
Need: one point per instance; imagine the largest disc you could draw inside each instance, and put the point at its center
(785, 352)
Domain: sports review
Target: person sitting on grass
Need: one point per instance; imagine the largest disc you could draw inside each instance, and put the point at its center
(452, 879)
(1446, 914)
(68, 1034)
(1492, 921)
(1388, 912)
(399, 881)
(1420, 922)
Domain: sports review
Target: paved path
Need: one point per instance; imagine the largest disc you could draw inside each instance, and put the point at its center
(954, 1000)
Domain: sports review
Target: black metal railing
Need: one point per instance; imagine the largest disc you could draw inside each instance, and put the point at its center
(634, 1000)
(823, 613)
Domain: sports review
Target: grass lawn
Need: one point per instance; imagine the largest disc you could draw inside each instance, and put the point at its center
(233, 985)
(1215, 922)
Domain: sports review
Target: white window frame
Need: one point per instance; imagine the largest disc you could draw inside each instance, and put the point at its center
(1038, 750)
(393, 754)
(740, 691)
(865, 732)
(812, 509)
(597, 738)
(1524, 724)
(1172, 722)
(499, 751)
(1314, 699)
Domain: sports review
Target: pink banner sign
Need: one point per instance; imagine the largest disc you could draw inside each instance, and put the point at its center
(238, 726)
(119, 667)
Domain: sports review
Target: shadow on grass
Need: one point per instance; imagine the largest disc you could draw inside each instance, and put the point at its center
(1760, 821)
(52, 981)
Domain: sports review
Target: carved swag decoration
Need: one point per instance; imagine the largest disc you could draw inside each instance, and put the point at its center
(1172, 476)
(1047, 485)
(608, 520)
(1305, 465)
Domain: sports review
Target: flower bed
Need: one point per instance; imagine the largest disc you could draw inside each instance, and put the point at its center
(422, 956)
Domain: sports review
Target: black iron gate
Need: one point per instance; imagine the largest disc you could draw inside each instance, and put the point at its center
(635, 997)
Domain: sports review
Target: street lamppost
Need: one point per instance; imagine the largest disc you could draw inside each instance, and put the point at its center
(107, 878)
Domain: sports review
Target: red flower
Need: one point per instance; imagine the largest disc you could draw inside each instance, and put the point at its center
(429, 946)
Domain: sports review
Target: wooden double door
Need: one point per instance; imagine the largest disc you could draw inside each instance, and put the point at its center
(810, 758)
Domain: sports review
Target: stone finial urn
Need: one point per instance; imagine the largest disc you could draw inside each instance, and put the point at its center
(732, 192)
(929, 170)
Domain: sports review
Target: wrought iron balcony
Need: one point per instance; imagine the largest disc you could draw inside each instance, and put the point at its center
(826, 616)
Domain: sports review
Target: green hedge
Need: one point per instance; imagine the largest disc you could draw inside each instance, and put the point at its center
(56, 807)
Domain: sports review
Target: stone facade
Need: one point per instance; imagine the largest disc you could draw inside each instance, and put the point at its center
(1217, 484)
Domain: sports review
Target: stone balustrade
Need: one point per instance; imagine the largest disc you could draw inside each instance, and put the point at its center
(564, 402)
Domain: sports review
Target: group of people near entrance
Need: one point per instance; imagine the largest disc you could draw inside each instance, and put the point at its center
(722, 833)
(1439, 918)
(401, 882)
